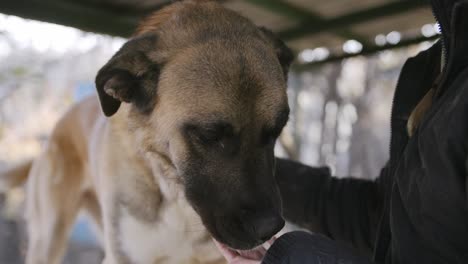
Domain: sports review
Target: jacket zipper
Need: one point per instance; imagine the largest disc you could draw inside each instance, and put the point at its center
(443, 73)
(391, 164)
(444, 40)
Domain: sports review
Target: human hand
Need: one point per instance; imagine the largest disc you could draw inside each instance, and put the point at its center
(253, 256)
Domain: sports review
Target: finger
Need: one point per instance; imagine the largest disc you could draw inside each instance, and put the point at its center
(272, 240)
(241, 260)
(268, 244)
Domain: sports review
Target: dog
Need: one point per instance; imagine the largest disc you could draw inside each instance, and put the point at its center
(177, 147)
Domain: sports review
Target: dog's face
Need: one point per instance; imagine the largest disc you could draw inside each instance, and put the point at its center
(209, 113)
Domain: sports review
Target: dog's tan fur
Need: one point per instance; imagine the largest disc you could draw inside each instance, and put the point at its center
(61, 182)
(121, 169)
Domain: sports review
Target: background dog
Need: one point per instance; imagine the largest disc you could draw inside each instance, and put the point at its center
(194, 104)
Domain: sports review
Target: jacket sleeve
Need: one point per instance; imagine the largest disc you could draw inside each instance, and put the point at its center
(300, 247)
(346, 210)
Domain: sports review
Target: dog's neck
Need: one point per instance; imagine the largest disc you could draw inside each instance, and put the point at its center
(159, 168)
(171, 188)
(172, 217)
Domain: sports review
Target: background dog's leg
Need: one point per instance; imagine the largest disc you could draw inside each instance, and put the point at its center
(54, 196)
(110, 241)
(110, 221)
(91, 205)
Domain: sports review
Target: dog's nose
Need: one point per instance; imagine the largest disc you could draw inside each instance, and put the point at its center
(263, 226)
(266, 227)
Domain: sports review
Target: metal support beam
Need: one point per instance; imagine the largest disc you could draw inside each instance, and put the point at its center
(300, 14)
(72, 14)
(366, 51)
(310, 26)
(103, 20)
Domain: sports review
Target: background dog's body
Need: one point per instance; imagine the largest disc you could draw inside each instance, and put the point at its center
(196, 100)
(91, 163)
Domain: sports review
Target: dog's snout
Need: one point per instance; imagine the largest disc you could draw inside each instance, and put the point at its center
(265, 228)
(262, 225)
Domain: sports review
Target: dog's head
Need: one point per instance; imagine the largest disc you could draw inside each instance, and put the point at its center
(205, 91)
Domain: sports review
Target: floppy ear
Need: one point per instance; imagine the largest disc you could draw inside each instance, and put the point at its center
(284, 53)
(123, 78)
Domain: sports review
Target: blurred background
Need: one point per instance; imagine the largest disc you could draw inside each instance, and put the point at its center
(348, 57)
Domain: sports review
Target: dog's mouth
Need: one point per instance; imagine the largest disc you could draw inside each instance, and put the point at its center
(238, 225)
(228, 234)
(232, 238)
(256, 253)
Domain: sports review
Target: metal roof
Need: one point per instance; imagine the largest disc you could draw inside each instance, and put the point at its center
(303, 24)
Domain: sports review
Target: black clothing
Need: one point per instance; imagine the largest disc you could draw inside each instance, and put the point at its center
(416, 211)
(301, 247)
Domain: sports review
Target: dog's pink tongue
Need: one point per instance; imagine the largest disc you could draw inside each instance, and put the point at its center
(253, 254)
(256, 253)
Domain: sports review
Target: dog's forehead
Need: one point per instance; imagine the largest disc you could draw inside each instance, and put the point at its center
(226, 87)
(187, 23)
(230, 66)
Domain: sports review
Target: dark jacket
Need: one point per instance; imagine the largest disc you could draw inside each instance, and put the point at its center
(417, 209)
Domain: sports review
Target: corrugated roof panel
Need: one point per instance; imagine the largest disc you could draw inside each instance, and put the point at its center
(315, 41)
(405, 23)
(261, 16)
(131, 4)
(333, 8)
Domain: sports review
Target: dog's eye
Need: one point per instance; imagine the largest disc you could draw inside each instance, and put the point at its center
(211, 133)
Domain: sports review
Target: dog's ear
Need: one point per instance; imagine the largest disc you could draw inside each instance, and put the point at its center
(123, 78)
(284, 53)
